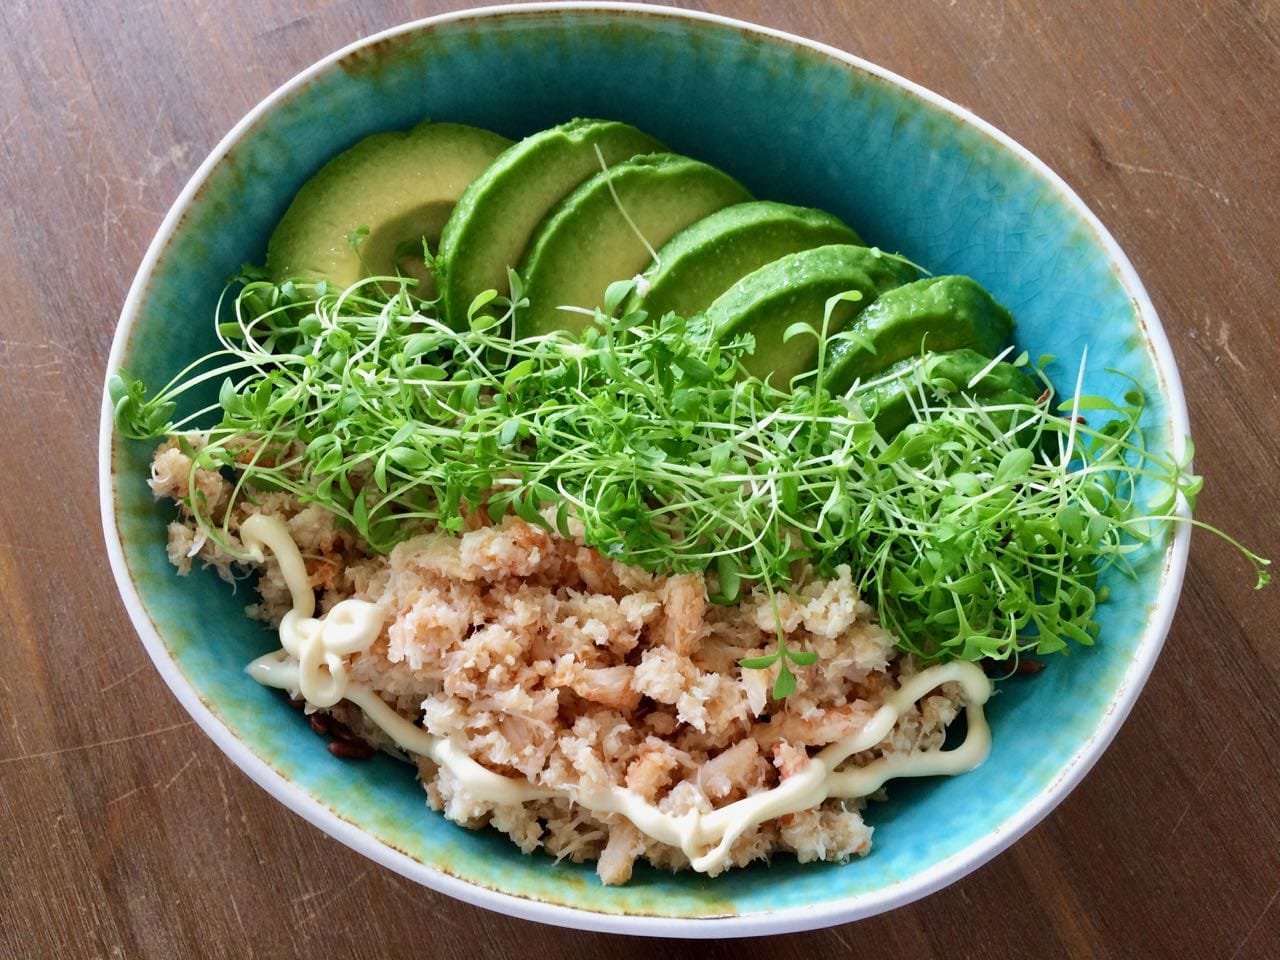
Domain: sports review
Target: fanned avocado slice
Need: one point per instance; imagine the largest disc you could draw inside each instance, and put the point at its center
(705, 259)
(500, 210)
(586, 243)
(890, 400)
(794, 289)
(937, 314)
(402, 186)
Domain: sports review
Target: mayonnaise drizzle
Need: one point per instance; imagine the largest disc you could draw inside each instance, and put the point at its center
(313, 663)
(319, 646)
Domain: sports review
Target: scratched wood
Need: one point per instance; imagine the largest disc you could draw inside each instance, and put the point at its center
(124, 832)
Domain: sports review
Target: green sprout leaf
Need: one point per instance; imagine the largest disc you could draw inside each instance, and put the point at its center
(645, 437)
(615, 293)
(784, 685)
(357, 236)
(478, 303)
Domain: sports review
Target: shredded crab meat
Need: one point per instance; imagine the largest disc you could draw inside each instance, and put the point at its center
(545, 661)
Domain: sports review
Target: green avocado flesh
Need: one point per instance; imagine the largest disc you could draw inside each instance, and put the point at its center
(890, 399)
(402, 186)
(501, 209)
(795, 288)
(586, 243)
(937, 314)
(704, 260)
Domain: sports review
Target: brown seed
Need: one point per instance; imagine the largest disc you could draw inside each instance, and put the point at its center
(351, 750)
(319, 723)
(1025, 667)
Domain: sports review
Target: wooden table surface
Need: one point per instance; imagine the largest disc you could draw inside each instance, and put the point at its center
(125, 833)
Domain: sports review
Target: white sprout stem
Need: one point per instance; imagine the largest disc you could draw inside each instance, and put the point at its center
(608, 180)
(978, 377)
(1075, 410)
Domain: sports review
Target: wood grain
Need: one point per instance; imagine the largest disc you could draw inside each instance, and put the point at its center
(125, 833)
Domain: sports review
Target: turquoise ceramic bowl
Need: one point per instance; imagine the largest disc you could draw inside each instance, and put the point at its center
(795, 121)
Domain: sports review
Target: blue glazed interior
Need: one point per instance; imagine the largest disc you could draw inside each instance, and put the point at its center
(793, 125)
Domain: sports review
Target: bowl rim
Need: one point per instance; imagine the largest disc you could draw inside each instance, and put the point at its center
(787, 920)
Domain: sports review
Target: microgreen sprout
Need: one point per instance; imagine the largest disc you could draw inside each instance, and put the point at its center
(980, 531)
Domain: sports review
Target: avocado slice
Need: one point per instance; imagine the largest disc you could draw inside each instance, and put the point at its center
(890, 399)
(796, 288)
(586, 243)
(936, 314)
(499, 211)
(401, 185)
(703, 260)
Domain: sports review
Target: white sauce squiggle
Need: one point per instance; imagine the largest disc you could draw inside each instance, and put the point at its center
(313, 663)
